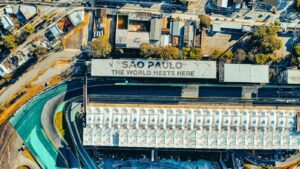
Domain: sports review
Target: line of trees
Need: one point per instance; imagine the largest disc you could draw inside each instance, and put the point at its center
(296, 53)
(169, 52)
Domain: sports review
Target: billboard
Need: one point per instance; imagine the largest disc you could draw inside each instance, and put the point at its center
(153, 68)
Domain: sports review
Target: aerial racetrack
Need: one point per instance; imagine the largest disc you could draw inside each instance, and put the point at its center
(35, 124)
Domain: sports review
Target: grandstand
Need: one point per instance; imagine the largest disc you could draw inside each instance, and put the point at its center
(191, 126)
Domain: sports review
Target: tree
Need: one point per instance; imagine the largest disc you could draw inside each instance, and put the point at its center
(147, 50)
(168, 52)
(264, 40)
(29, 28)
(185, 52)
(205, 20)
(192, 53)
(227, 55)
(100, 47)
(40, 51)
(195, 53)
(46, 18)
(10, 41)
(297, 49)
(270, 44)
(264, 58)
(240, 55)
(216, 54)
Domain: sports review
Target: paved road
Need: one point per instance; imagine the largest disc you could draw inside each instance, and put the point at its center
(34, 71)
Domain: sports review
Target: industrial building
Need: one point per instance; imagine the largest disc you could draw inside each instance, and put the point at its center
(244, 73)
(290, 76)
(191, 126)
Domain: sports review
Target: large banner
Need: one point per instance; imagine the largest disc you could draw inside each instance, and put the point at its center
(153, 68)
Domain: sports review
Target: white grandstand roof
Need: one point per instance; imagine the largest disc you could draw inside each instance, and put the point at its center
(182, 127)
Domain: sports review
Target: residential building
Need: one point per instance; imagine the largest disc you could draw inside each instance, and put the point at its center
(133, 29)
(271, 3)
(6, 22)
(155, 29)
(76, 17)
(26, 12)
(221, 3)
(189, 33)
(232, 27)
(56, 32)
(4, 68)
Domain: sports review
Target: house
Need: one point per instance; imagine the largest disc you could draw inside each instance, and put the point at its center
(155, 29)
(244, 73)
(133, 29)
(165, 40)
(6, 22)
(221, 3)
(237, 4)
(76, 17)
(290, 76)
(270, 3)
(56, 32)
(189, 33)
(177, 33)
(230, 27)
(26, 12)
(4, 68)
(11, 9)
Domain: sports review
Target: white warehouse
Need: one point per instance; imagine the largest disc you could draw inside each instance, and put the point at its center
(192, 126)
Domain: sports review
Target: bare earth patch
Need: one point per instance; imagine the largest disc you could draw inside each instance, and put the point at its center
(218, 41)
(10, 154)
(78, 36)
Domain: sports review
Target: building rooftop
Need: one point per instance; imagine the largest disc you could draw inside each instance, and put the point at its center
(11, 9)
(28, 11)
(293, 76)
(155, 29)
(76, 17)
(129, 39)
(246, 73)
(217, 26)
(172, 126)
(7, 23)
(56, 32)
(177, 28)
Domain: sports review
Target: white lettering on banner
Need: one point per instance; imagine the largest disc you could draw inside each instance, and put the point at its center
(153, 68)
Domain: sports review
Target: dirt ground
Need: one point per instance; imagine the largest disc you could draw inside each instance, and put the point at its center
(49, 75)
(10, 156)
(218, 41)
(54, 70)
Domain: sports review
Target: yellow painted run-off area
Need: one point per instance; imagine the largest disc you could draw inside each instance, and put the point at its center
(59, 123)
